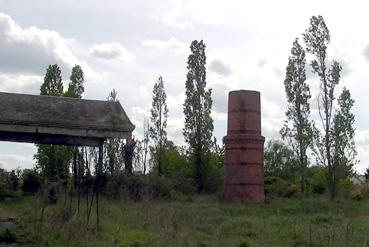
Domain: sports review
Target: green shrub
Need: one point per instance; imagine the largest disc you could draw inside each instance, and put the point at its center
(5, 183)
(135, 187)
(31, 181)
(276, 186)
(252, 233)
(14, 179)
(123, 185)
(345, 187)
(357, 195)
(159, 186)
(292, 190)
(318, 182)
(360, 192)
(183, 183)
(7, 236)
(244, 243)
(213, 173)
(116, 185)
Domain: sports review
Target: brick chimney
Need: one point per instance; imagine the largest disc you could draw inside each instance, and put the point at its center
(244, 149)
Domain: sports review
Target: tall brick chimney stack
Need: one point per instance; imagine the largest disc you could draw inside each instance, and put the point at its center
(244, 149)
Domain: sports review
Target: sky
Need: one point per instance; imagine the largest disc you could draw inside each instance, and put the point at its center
(127, 45)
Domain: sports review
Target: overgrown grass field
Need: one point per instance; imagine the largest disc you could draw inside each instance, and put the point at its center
(194, 221)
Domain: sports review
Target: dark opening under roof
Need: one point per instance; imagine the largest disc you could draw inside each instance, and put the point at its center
(61, 120)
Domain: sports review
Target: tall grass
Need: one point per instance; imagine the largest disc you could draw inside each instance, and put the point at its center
(198, 221)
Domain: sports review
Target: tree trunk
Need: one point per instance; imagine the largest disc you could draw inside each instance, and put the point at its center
(73, 184)
(98, 178)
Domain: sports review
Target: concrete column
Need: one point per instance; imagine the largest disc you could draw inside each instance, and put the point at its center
(244, 149)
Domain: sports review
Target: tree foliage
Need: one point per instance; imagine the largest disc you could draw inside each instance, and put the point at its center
(53, 85)
(75, 90)
(198, 127)
(113, 147)
(145, 144)
(344, 148)
(317, 38)
(31, 181)
(297, 129)
(280, 161)
(76, 85)
(52, 160)
(158, 118)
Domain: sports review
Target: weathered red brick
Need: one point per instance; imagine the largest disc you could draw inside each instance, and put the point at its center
(244, 147)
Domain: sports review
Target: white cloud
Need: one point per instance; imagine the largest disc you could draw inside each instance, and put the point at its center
(176, 17)
(362, 137)
(112, 51)
(138, 116)
(270, 127)
(171, 44)
(31, 49)
(219, 95)
(28, 84)
(12, 161)
(174, 129)
(362, 143)
(219, 116)
(220, 68)
(176, 101)
(270, 109)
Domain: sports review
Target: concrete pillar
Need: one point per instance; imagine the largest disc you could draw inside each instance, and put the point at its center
(244, 149)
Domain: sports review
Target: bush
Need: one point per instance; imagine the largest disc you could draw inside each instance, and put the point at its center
(31, 181)
(123, 185)
(214, 175)
(214, 180)
(318, 182)
(276, 186)
(183, 183)
(136, 187)
(14, 179)
(5, 183)
(7, 236)
(244, 244)
(280, 160)
(116, 185)
(159, 187)
(345, 187)
(360, 192)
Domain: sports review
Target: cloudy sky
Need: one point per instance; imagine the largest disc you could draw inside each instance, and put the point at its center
(127, 45)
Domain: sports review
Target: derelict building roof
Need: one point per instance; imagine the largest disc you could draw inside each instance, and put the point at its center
(62, 116)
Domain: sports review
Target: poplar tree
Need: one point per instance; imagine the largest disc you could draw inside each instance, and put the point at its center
(158, 119)
(317, 38)
(53, 85)
(198, 127)
(344, 148)
(76, 87)
(75, 90)
(51, 159)
(145, 143)
(113, 146)
(297, 129)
